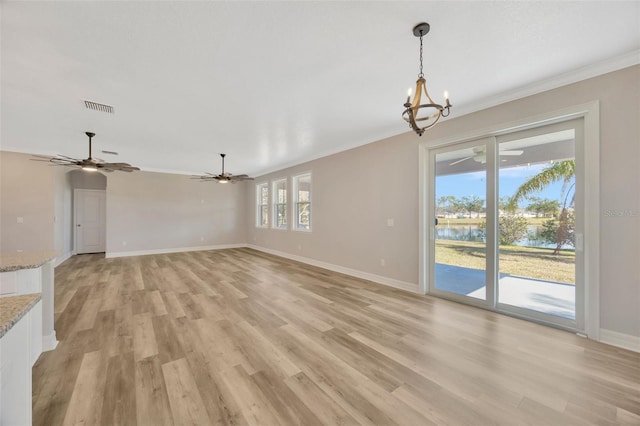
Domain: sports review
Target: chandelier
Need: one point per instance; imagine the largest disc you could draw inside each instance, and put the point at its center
(422, 116)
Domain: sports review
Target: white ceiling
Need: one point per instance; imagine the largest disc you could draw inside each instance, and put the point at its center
(273, 84)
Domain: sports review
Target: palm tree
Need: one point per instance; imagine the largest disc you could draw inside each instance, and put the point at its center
(558, 171)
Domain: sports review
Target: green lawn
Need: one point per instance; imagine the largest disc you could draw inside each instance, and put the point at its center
(529, 262)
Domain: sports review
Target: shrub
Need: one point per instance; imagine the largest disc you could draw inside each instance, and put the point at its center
(512, 228)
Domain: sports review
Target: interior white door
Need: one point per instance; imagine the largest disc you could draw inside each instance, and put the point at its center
(90, 224)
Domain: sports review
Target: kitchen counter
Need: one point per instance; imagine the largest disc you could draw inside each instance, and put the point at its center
(13, 308)
(25, 260)
(30, 272)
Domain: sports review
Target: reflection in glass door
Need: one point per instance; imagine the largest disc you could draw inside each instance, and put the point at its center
(460, 204)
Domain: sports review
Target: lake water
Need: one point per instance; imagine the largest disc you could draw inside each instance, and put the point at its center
(473, 233)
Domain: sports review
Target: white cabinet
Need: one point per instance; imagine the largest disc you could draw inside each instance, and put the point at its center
(20, 347)
(35, 335)
(15, 375)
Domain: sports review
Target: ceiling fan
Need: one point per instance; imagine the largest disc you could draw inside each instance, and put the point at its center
(89, 164)
(222, 177)
(480, 155)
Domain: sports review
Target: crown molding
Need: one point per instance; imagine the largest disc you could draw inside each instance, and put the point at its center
(583, 73)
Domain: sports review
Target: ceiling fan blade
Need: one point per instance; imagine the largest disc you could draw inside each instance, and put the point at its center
(461, 160)
(65, 162)
(512, 152)
(123, 167)
(116, 164)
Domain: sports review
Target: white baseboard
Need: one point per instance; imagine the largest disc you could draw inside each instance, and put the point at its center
(621, 340)
(391, 282)
(49, 342)
(62, 258)
(172, 250)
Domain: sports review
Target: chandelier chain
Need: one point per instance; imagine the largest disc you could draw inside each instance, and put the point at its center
(421, 73)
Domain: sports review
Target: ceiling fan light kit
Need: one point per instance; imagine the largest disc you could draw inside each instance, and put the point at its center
(422, 116)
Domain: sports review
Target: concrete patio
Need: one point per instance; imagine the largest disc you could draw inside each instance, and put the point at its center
(549, 297)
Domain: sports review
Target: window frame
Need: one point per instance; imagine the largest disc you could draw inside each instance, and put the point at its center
(274, 204)
(260, 223)
(295, 225)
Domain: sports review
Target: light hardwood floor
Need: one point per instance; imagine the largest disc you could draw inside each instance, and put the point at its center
(241, 337)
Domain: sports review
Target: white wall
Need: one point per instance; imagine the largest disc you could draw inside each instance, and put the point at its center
(63, 223)
(26, 191)
(356, 191)
(157, 211)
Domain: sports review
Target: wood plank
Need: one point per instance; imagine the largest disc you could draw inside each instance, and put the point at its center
(152, 401)
(144, 338)
(184, 397)
(85, 405)
(119, 402)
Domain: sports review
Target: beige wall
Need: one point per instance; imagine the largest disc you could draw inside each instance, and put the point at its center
(353, 194)
(158, 211)
(27, 191)
(356, 191)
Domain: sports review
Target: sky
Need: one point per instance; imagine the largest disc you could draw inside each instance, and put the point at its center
(510, 179)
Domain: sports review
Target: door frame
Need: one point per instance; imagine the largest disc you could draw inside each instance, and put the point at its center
(76, 191)
(590, 157)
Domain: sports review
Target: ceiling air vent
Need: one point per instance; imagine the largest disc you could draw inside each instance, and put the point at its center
(98, 107)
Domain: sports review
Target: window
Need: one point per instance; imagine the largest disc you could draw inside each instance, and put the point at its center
(280, 204)
(262, 203)
(302, 202)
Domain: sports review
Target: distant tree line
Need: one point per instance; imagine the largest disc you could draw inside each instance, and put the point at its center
(473, 206)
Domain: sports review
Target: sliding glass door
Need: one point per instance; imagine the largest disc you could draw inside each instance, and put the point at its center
(507, 222)
(460, 199)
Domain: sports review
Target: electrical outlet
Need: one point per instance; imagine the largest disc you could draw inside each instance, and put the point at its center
(201, 238)
(390, 222)
(382, 262)
(124, 243)
(20, 219)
